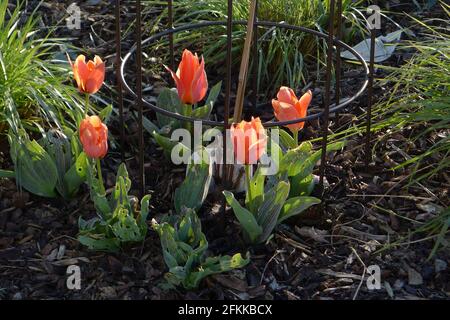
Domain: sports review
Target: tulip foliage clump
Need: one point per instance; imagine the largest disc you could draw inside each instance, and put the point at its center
(271, 200)
(185, 252)
(50, 167)
(118, 220)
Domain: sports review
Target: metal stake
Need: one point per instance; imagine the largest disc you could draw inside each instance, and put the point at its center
(139, 96)
(171, 45)
(327, 99)
(118, 81)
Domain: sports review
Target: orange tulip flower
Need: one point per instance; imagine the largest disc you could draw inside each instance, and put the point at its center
(94, 137)
(249, 141)
(89, 76)
(288, 107)
(190, 78)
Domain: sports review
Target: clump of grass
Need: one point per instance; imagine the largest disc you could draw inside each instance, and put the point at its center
(282, 53)
(419, 99)
(30, 81)
(419, 96)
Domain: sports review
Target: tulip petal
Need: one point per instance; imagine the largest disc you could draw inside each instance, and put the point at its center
(200, 83)
(94, 137)
(288, 112)
(303, 104)
(249, 141)
(287, 95)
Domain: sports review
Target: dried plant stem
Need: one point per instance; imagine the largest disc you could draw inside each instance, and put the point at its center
(243, 72)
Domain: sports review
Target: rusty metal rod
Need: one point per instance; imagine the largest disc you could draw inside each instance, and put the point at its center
(370, 97)
(118, 80)
(171, 45)
(139, 96)
(327, 100)
(227, 90)
(255, 62)
(339, 36)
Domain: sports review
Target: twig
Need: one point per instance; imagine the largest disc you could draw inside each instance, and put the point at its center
(267, 264)
(243, 72)
(363, 275)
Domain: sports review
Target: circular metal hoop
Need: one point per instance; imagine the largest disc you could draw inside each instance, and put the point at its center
(333, 108)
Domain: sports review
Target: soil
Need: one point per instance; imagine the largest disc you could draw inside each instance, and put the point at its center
(321, 255)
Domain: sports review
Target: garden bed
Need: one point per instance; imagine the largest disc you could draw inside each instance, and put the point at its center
(321, 255)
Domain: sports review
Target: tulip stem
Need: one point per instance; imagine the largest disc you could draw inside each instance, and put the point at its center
(100, 177)
(86, 110)
(295, 133)
(248, 179)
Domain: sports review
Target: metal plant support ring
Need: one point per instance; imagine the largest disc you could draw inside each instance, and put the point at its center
(332, 108)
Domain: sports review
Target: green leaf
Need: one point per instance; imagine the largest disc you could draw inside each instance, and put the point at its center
(76, 175)
(105, 113)
(145, 203)
(214, 94)
(100, 244)
(190, 228)
(34, 168)
(149, 125)
(301, 187)
(306, 167)
(247, 220)
(168, 100)
(287, 140)
(95, 234)
(195, 187)
(202, 112)
(7, 174)
(291, 163)
(98, 196)
(214, 265)
(126, 228)
(255, 197)
(123, 185)
(295, 206)
(58, 146)
(269, 211)
(167, 145)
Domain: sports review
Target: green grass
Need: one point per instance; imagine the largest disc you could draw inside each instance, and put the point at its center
(418, 97)
(283, 54)
(417, 106)
(32, 82)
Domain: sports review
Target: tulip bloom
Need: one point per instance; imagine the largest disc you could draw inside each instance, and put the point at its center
(94, 137)
(249, 141)
(190, 78)
(288, 107)
(89, 76)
